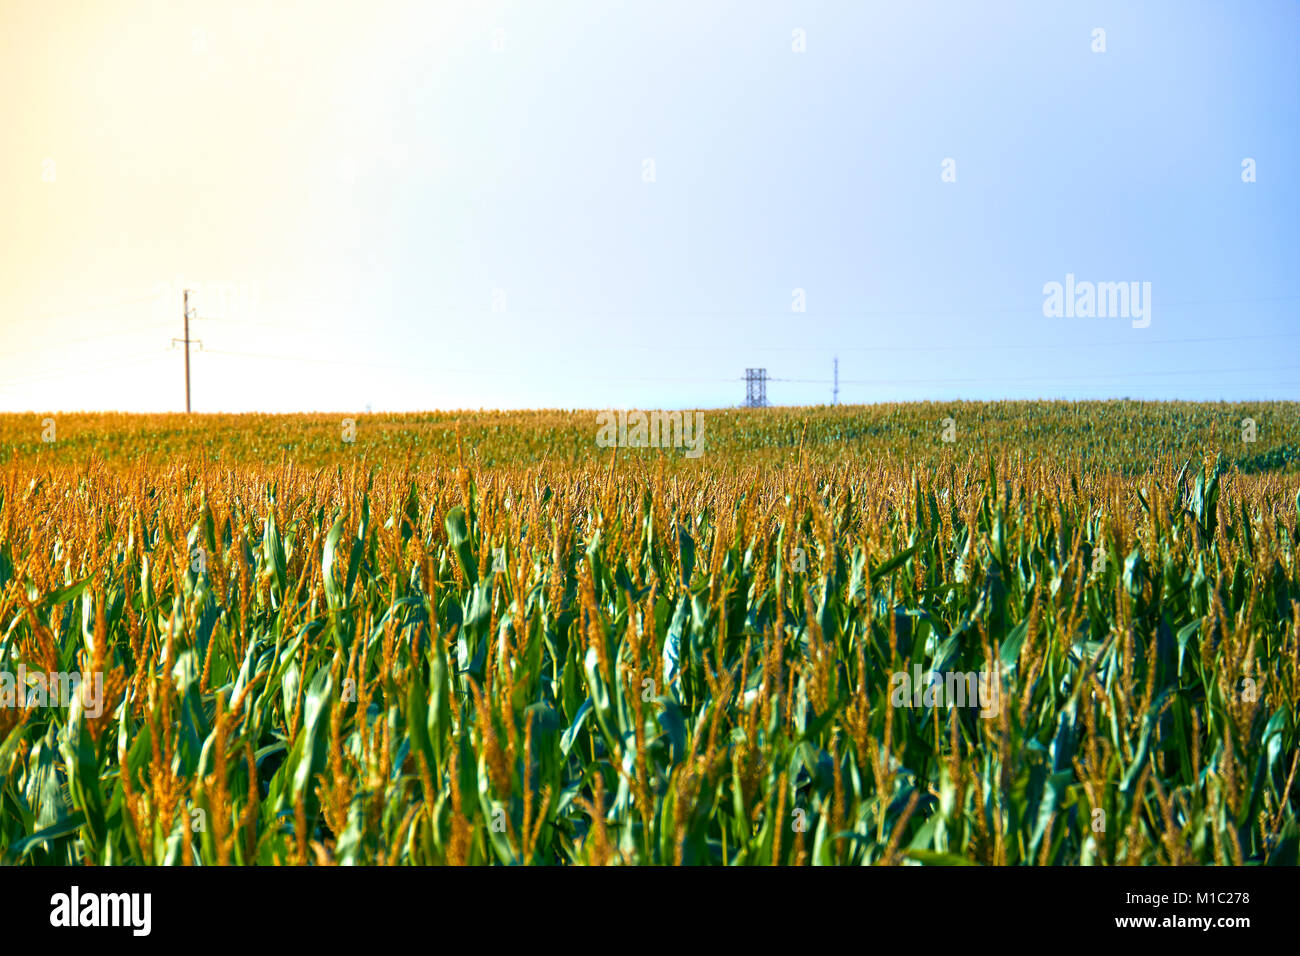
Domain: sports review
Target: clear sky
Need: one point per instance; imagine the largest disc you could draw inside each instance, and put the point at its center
(413, 205)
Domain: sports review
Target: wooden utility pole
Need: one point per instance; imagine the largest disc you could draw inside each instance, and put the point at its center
(187, 351)
(186, 342)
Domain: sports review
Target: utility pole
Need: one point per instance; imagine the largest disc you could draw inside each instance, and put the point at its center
(186, 341)
(755, 388)
(835, 390)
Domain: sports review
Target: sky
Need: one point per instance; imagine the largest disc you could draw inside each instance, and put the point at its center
(451, 205)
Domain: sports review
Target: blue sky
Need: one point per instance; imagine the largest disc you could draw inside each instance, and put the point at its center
(379, 208)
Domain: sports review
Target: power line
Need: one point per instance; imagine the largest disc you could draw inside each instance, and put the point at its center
(1040, 378)
(758, 383)
(1014, 346)
(51, 316)
(758, 376)
(99, 367)
(347, 362)
(975, 347)
(784, 348)
(124, 361)
(90, 338)
(760, 379)
(427, 368)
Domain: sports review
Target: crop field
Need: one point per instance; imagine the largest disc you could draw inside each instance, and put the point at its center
(917, 634)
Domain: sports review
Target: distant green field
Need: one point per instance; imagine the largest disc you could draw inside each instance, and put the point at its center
(1116, 435)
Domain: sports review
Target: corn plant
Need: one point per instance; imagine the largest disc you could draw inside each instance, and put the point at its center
(479, 639)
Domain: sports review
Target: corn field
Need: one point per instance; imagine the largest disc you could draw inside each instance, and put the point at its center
(477, 638)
